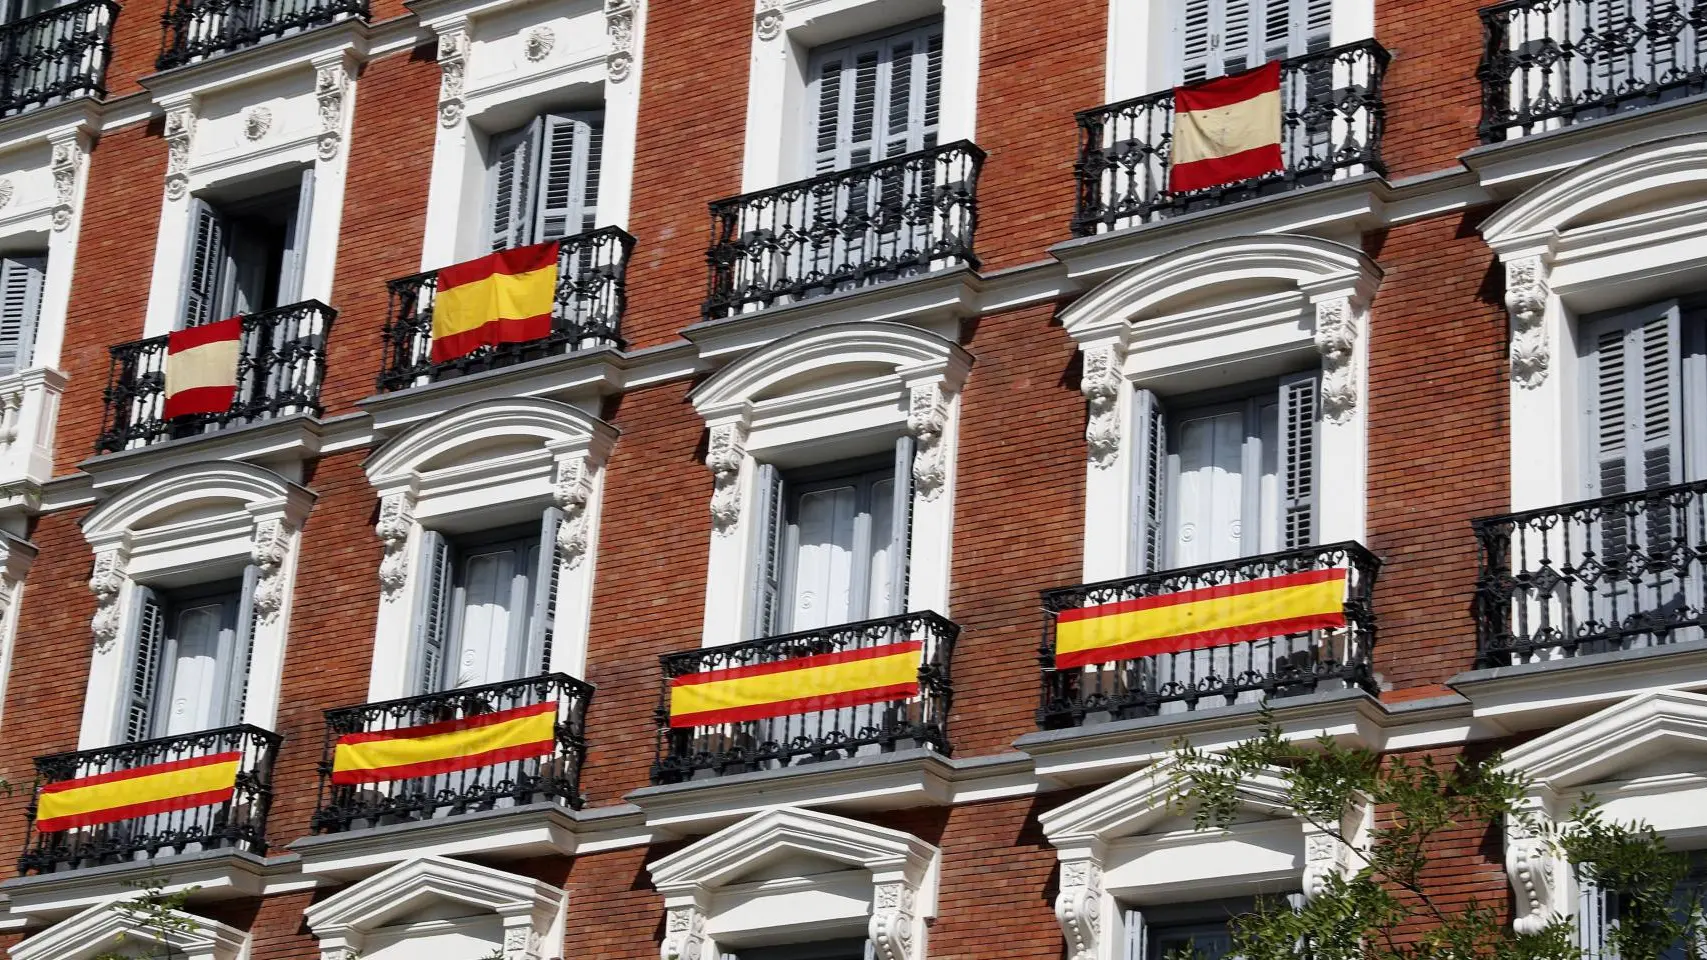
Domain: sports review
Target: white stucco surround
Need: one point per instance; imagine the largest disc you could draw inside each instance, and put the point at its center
(501, 63)
(1128, 844)
(187, 525)
(814, 397)
(433, 908)
(789, 875)
(1221, 312)
(480, 466)
(1618, 230)
(16, 557)
(107, 928)
(1643, 760)
(784, 34)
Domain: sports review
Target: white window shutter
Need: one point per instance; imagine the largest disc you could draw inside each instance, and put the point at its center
(509, 201)
(901, 516)
(242, 659)
(149, 637)
(1635, 400)
(296, 242)
(1299, 460)
(1149, 472)
(767, 514)
(1213, 38)
(569, 179)
(542, 620)
(432, 611)
(1594, 920)
(1134, 944)
(20, 309)
(204, 265)
(876, 98)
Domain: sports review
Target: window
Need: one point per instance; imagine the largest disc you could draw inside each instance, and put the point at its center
(246, 254)
(876, 98)
(21, 276)
(543, 180)
(1598, 911)
(489, 599)
(1217, 37)
(851, 948)
(1644, 372)
(1198, 931)
(191, 663)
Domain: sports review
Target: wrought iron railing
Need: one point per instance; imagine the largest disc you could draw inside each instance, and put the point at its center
(509, 781)
(1222, 674)
(1615, 573)
(917, 718)
(1551, 63)
(191, 29)
(280, 367)
(867, 224)
(1332, 118)
(237, 821)
(55, 55)
(592, 293)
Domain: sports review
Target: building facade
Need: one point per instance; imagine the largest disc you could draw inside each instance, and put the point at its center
(758, 607)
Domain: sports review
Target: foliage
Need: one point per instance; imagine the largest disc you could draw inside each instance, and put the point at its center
(1381, 907)
(157, 912)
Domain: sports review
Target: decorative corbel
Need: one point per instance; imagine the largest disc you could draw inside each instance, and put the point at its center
(180, 130)
(1531, 864)
(522, 943)
(1078, 908)
(619, 28)
(67, 158)
(1526, 293)
(891, 927)
(1101, 386)
(724, 454)
(270, 541)
(396, 518)
(106, 583)
(571, 493)
(453, 53)
(1336, 338)
(927, 417)
(684, 934)
(767, 19)
(331, 84)
(1324, 856)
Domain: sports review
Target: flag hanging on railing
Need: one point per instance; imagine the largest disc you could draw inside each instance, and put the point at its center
(447, 746)
(201, 368)
(1226, 130)
(1200, 618)
(139, 792)
(822, 681)
(503, 297)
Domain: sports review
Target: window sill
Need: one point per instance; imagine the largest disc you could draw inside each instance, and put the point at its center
(214, 875)
(1551, 693)
(298, 437)
(1505, 168)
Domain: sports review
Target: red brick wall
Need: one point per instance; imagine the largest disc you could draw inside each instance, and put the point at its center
(1433, 98)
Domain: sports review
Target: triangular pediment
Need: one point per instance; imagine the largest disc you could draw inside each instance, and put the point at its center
(110, 928)
(1657, 733)
(429, 888)
(1148, 801)
(790, 839)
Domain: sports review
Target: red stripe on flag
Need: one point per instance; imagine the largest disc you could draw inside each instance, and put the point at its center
(229, 329)
(450, 726)
(1200, 640)
(1220, 591)
(131, 811)
(779, 708)
(1228, 90)
(429, 768)
(1215, 171)
(199, 400)
(798, 663)
(490, 334)
(508, 262)
(169, 766)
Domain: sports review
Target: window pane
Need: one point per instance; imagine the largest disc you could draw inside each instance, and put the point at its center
(489, 603)
(1207, 941)
(1208, 519)
(823, 561)
(195, 670)
(882, 544)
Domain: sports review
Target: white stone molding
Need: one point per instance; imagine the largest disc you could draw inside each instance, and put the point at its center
(1336, 337)
(453, 65)
(17, 555)
(108, 928)
(619, 27)
(572, 492)
(7, 189)
(69, 152)
(537, 43)
(267, 551)
(725, 450)
(106, 583)
(852, 871)
(927, 417)
(179, 132)
(1100, 383)
(331, 89)
(1078, 907)
(1533, 865)
(1325, 855)
(256, 122)
(1526, 302)
(767, 19)
(396, 521)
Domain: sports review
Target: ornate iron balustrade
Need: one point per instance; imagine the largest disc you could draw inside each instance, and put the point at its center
(192, 29)
(1551, 63)
(1331, 125)
(1224, 674)
(56, 55)
(505, 783)
(1614, 573)
(281, 364)
(238, 822)
(592, 292)
(920, 718)
(842, 230)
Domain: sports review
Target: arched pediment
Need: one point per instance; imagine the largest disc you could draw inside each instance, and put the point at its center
(747, 849)
(1138, 802)
(196, 491)
(1662, 727)
(435, 887)
(479, 430)
(109, 927)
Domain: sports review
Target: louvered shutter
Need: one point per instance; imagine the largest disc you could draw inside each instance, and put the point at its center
(509, 200)
(20, 308)
(432, 611)
(901, 532)
(542, 620)
(242, 659)
(1213, 38)
(569, 147)
(1298, 459)
(204, 266)
(767, 549)
(1134, 944)
(1595, 913)
(877, 98)
(1635, 400)
(149, 638)
(296, 242)
(1149, 468)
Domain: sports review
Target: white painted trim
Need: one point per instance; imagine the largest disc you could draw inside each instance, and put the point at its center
(106, 927)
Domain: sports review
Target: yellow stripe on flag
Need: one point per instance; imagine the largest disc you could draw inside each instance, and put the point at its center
(800, 685)
(120, 796)
(498, 297)
(437, 748)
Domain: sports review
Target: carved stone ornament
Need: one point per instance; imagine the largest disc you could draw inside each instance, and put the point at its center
(767, 20)
(271, 540)
(1078, 909)
(180, 128)
(891, 927)
(536, 46)
(256, 122)
(396, 517)
(6, 191)
(1530, 863)
(453, 51)
(571, 493)
(724, 453)
(1101, 387)
(106, 583)
(1324, 856)
(331, 83)
(1526, 300)
(1336, 338)
(521, 944)
(67, 159)
(927, 416)
(619, 27)
(684, 934)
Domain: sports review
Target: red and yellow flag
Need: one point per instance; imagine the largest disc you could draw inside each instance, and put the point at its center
(1226, 130)
(445, 747)
(503, 297)
(799, 685)
(140, 792)
(201, 368)
(1205, 617)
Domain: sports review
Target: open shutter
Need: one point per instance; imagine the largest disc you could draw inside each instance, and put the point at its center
(542, 620)
(1214, 38)
(569, 182)
(242, 659)
(432, 611)
(204, 265)
(150, 637)
(509, 201)
(296, 242)
(1595, 912)
(901, 534)
(1298, 459)
(1149, 466)
(20, 307)
(914, 93)
(1134, 945)
(1635, 400)
(767, 549)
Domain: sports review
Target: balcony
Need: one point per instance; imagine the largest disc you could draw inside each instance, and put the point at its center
(530, 743)
(56, 55)
(899, 217)
(1548, 64)
(1331, 125)
(591, 296)
(881, 685)
(174, 795)
(193, 29)
(1596, 576)
(281, 364)
(1246, 630)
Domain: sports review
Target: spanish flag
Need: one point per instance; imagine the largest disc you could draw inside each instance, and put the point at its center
(201, 368)
(1205, 617)
(799, 685)
(139, 792)
(446, 747)
(504, 297)
(1226, 130)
